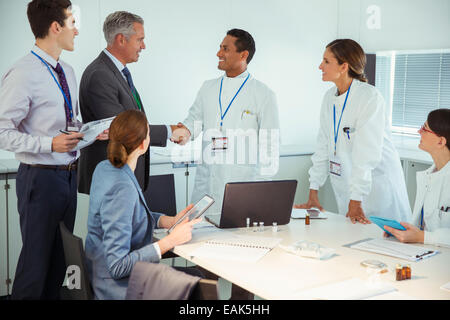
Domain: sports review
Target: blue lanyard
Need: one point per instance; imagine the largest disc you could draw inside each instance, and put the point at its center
(222, 116)
(59, 86)
(336, 133)
(421, 221)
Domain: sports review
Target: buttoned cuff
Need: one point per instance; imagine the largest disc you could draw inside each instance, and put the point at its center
(46, 144)
(157, 249)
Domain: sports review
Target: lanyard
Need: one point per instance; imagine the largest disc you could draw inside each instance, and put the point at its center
(59, 86)
(222, 116)
(336, 132)
(421, 221)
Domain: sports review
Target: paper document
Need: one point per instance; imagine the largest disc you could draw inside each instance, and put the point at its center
(394, 249)
(351, 289)
(446, 287)
(91, 130)
(313, 214)
(236, 248)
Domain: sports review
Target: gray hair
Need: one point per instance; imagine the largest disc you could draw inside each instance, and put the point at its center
(120, 22)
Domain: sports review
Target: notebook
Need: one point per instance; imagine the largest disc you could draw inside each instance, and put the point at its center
(236, 248)
(393, 248)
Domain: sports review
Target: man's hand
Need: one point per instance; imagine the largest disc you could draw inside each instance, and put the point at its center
(66, 142)
(180, 134)
(313, 201)
(356, 213)
(103, 136)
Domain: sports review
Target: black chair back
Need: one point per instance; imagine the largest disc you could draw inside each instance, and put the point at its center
(160, 194)
(74, 255)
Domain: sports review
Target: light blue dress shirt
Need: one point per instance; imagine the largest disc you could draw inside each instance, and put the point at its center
(32, 109)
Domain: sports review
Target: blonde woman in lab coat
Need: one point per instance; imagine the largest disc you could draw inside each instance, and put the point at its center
(354, 146)
(431, 215)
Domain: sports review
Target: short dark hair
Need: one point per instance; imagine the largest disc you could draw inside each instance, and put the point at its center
(243, 42)
(439, 122)
(42, 13)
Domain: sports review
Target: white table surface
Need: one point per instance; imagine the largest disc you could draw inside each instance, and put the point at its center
(280, 275)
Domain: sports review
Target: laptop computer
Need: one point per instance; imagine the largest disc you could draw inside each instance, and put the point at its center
(261, 201)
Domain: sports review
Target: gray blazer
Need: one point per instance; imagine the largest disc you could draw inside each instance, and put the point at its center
(120, 230)
(104, 93)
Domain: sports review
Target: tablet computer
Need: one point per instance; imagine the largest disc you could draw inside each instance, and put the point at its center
(196, 211)
(381, 222)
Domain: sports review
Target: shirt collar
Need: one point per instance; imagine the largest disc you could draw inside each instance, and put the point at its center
(44, 55)
(242, 75)
(116, 61)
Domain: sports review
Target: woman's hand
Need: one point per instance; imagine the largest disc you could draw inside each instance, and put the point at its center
(182, 233)
(412, 234)
(356, 213)
(167, 221)
(103, 136)
(313, 201)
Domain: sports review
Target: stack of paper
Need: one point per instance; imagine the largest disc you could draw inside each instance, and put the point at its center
(351, 289)
(394, 249)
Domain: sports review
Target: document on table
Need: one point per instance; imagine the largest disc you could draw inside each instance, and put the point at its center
(394, 249)
(91, 130)
(446, 287)
(236, 248)
(350, 289)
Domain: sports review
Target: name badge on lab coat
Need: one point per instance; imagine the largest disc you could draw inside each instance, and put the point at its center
(219, 144)
(335, 166)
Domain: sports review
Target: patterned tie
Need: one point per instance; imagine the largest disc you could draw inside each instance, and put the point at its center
(63, 82)
(127, 75)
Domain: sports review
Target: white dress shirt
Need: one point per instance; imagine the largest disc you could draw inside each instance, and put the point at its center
(32, 109)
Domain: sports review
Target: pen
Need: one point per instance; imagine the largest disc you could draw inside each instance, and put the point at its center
(67, 132)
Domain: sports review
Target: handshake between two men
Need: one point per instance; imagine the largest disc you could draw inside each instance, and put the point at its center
(180, 134)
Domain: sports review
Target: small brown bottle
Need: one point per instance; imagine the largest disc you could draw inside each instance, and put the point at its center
(307, 219)
(404, 273)
(398, 272)
(408, 272)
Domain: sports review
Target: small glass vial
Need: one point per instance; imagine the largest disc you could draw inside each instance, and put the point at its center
(255, 226)
(404, 273)
(247, 222)
(261, 226)
(274, 227)
(307, 219)
(398, 272)
(408, 272)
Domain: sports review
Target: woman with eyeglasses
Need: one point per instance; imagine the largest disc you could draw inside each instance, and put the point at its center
(354, 146)
(431, 215)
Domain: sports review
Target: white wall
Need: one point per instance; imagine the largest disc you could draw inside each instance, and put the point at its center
(182, 39)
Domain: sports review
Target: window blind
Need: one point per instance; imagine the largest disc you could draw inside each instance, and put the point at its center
(421, 84)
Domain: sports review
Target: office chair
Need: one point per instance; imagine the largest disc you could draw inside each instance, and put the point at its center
(160, 194)
(156, 281)
(74, 255)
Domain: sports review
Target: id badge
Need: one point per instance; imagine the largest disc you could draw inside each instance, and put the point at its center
(73, 126)
(335, 166)
(219, 144)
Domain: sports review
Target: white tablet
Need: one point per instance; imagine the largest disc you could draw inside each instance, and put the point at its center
(196, 211)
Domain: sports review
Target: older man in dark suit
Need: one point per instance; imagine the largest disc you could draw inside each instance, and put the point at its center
(107, 88)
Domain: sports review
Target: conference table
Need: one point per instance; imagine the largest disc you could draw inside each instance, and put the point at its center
(283, 275)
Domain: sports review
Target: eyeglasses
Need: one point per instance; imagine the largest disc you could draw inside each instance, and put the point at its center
(423, 129)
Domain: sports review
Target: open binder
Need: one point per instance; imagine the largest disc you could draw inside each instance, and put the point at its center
(394, 249)
(237, 248)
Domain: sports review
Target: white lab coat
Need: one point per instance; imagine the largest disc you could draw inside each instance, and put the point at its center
(204, 116)
(371, 168)
(433, 193)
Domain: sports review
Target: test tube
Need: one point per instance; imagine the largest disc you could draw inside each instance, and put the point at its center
(274, 227)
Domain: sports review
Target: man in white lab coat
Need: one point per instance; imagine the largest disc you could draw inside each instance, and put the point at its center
(238, 116)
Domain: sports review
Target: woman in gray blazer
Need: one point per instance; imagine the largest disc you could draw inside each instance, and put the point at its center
(120, 225)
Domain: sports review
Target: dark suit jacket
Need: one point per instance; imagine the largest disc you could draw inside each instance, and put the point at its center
(105, 93)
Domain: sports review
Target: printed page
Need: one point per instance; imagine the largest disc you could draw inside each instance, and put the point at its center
(91, 130)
